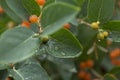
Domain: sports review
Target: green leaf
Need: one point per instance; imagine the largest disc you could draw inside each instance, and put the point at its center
(66, 75)
(49, 2)
(72, 2)
(106, 63)
(4, 66)
(2, 30)
(115, 70)
(84, 10)
(74, 22)
(34, 27)
(56, 15)
(9, 11)
(112, 25)
(109, 77)
(3, 74)
(65, 64)
(86, 35)
(68, 1)
(4, 23)
(64, 45)
(100, 10)
(80, 2)
(116, 13)
(16, 45)
(20, 10)
(17, 7)
(114, 36)
(32, 7)
(31, 70)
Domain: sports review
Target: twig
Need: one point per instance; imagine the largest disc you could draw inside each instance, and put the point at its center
(18, 73)
(95, 49)
(83, 22)
(39, 24)
(97, 74)
(103, 49)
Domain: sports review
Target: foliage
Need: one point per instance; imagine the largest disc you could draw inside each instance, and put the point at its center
(59, 39)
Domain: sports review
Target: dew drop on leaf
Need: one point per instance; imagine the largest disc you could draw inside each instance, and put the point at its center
(36, 51)
(56, 48)
(63, 53)
(99, 40)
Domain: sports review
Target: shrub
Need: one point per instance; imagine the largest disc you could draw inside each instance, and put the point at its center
(59, 39)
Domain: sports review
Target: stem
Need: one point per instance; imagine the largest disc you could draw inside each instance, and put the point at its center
(39, 24)
(97, 74)
(102, 49)
(95, 49)
(83, 22)
(18, 73)
(90, 50)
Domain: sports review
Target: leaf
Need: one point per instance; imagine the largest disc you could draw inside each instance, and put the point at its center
(116, 14)
(31, 70)
(49, 2)
(74, 22)
(112, 25)
(86, 36)
(32, 7)
(65, 64)
(79, 2)
(68, 1)
(3, 74)
(4, 66)
(109, 77)
(106, 63)
(4, 21)
(84, 10)
(2, 29)
(59, 14)
(66, 75)
(9, 11)
(34, 27)
(64, 45)
(100, 10)
(18, 9)
(16, 45)
(114, 36)
(115, 70)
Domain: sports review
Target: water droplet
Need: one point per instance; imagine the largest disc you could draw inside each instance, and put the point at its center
(56, 48)
(44, 55)
(36, 35)
(36, 51)
(63, 53)
(73, 70)
(29, 63)
(26, 78)
(99, 40)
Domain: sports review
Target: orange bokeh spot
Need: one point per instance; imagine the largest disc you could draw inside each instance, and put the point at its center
(67, 26)
(1, 10)
(41, 2)
(25, 24)
(33, 18)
